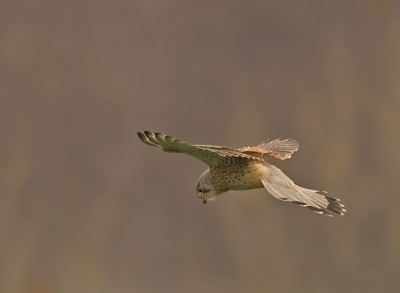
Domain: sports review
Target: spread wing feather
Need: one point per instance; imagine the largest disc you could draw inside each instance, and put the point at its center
(213, 156)
(278, 148)
(283, 188)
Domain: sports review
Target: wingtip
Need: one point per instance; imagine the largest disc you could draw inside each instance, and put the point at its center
(146, 137)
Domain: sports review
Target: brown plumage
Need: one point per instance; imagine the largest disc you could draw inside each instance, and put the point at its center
(244, 169)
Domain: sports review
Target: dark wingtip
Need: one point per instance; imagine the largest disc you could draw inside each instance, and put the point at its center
(331, 198)
(141, 136)
(145, 138)
(335, 206)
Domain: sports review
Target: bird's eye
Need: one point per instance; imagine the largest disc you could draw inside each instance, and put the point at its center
(199, 190)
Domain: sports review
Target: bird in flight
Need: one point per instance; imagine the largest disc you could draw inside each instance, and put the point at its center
(244, 169)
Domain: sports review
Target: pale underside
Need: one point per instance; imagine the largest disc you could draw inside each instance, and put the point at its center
(244, 175)
(244, 168)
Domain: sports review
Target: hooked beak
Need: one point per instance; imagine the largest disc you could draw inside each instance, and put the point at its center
(204, 201)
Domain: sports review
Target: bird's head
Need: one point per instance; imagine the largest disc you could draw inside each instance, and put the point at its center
(205, 190)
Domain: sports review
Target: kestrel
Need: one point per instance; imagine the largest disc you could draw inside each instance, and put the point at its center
(244, 169)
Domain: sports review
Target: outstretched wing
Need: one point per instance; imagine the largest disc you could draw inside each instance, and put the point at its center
(278, 148)
(213, 156)
(283, 188)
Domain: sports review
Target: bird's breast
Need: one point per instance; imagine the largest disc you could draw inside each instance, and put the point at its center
(242, 176)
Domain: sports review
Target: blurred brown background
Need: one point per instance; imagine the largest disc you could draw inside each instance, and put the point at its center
(86, 207)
